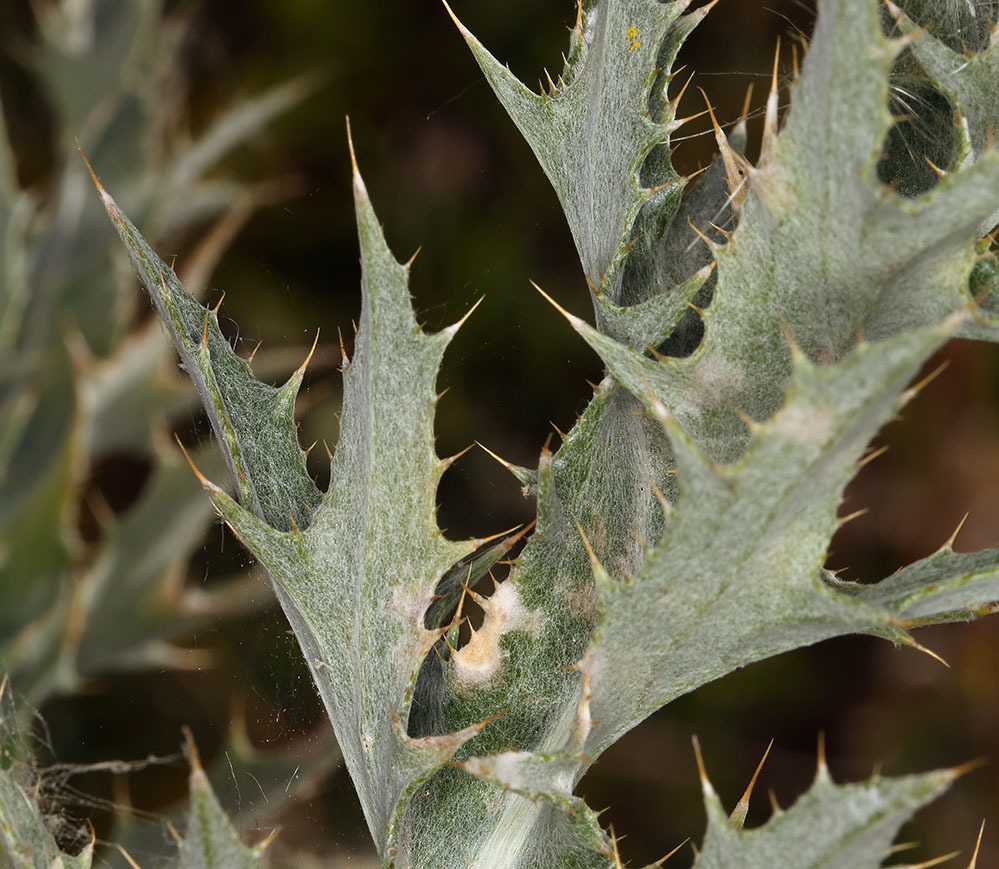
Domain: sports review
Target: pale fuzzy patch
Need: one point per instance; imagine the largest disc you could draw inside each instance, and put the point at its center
(505, 768)
(410, 609)
(584, 721)
(583, 602)
(715, 378)
(481, 660)
(810, 425)
(772, 184)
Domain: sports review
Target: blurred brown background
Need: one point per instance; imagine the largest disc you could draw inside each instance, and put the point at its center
(447, 170)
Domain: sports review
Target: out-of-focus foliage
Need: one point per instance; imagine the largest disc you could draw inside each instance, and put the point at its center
(99, 513)
(87, 586)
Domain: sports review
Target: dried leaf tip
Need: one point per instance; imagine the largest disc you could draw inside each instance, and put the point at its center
(674, 103)
(266, 843)
(707, 241)
(128, 857)
(916, 388)
(450, 460)
(821, 767)
(700, 13)
(940, 173)
(300, 371)
(902, 847)
(798, 356)
(574, 321)
(740, 131)
(936, 861)
(598, 569)
(957, 772)
(921, 648)
(871, 456)
(509, 534)
(344, 359)
(856, 514)
(735, 164)
(770, 113)
(510, 467)
(614, 854)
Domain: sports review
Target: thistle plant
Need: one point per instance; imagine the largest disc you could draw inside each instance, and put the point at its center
(758, 324)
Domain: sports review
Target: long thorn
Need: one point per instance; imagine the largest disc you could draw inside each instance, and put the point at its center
(770, 113)
(978, 845)
(738, 816)
(662, 860)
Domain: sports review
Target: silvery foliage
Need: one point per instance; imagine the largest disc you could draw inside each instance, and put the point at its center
(683, 524)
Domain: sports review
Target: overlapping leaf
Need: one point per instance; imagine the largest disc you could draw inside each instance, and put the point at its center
(802, 263)
(737, 575)
(357, 582)
(821, 250)
(593, 130)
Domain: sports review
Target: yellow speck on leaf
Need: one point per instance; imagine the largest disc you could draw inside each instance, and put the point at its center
(632, 34)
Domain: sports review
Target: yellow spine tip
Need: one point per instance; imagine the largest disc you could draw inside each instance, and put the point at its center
(662, 860)
(452, 330)
(93, 175)
(978, 845)
(821, 767)
(191, 750)
(205, 482)
(706, 787)
(950, 540)
(466, 34)
(305, 364)
(574, 321)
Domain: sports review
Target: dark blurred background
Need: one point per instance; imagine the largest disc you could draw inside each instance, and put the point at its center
(447, 170)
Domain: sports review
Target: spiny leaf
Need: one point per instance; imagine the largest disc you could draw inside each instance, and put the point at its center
(357, 583)
(649, 323)
(737, 574)
(253, 421)
(830, 826)
(969, 79)
(946, 586)
(593, 136)
(821, 249)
